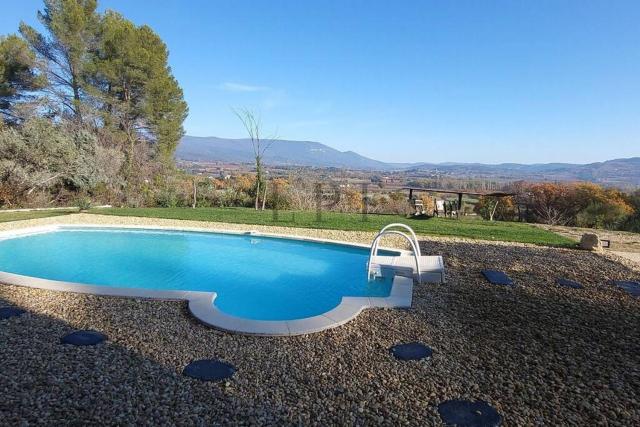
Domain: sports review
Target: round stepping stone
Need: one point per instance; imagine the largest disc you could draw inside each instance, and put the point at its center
(464, 413)
(83, 338)
(631, 287)
(411, 351)
(496, 277)
(209, 370)
(566, 283)
(7, 312)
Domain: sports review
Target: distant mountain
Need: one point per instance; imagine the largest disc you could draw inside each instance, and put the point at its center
(280, 152)
(620, 172)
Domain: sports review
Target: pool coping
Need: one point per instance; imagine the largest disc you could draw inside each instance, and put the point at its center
(201, 304)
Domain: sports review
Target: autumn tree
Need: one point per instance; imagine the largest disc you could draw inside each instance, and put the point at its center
(633, 222)
(551, 203)
(279, 193)
(599, 207)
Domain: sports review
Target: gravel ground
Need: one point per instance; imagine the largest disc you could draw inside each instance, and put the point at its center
(624, 244)
(631, 256)
(624, 241)
(541, 355)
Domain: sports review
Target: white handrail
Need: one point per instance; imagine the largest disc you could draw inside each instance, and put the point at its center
(415, 246)
(406, 227)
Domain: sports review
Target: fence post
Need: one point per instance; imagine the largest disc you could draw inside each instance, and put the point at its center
(365, 202)
(318, 196)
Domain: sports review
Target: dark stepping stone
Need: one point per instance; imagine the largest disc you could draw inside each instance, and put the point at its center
(411, 351)
(632, 288)
(497, 277)
(209, 370)
(464, 413)
(83, 338)
(566, 283)
(7, 312)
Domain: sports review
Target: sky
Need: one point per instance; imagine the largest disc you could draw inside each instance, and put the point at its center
(405, 81)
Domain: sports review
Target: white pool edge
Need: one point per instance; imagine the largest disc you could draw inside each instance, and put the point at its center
(201, 303)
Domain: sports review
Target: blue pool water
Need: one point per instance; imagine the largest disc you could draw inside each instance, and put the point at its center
(255, 277)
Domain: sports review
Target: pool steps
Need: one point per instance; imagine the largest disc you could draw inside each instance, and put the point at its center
(423, 269)
(431, 267)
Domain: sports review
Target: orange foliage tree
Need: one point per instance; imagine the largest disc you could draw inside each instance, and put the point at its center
(583, 204)
(600, 207)
(500, 208)
(551, 203)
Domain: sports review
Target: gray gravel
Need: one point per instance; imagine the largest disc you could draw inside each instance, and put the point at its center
(538, 353)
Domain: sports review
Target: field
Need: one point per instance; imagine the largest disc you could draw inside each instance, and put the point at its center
(467, 228)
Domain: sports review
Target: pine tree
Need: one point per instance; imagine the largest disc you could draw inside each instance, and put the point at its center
(71, 27)
(18, 76)
(138, 95)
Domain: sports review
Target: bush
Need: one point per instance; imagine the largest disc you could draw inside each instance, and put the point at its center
(632, 224)
(600, 215)
(83, 203)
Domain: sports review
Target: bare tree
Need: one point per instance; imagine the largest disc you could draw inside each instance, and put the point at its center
(253, 126)
(195, 192)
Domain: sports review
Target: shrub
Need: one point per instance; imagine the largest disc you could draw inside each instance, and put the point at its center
(601, 215)
(83, 203)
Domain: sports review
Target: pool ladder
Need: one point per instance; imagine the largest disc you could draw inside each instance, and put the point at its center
(413, 242)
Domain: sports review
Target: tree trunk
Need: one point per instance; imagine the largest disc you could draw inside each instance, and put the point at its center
(195, 193)
(264, 197)
(257, 193)
(493, 211)
(75, 87)
(258, 180)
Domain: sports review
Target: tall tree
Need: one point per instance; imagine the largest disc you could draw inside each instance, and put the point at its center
(18, 76)
(137, 93)
(260, 144)
(71, 27)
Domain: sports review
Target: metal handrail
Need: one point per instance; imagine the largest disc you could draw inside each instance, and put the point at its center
(413, 243)
(406, 227)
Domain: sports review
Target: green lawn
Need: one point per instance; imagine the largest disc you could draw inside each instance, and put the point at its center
(471, 228)
(19, 216)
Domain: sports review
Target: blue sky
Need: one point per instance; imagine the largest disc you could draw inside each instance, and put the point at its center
(435, 81)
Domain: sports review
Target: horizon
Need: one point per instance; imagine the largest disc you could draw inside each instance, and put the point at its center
(420, 162)
(465, 83)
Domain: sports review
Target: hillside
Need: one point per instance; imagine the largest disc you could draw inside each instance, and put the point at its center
(280, 152)
(619, 172)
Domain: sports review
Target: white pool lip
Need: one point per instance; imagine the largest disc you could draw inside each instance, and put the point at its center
(201, 303)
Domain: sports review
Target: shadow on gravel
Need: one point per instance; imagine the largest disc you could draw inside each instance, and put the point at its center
(44, 382)
(574, 351)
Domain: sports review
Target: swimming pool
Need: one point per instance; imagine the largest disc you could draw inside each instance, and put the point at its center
(248, 277)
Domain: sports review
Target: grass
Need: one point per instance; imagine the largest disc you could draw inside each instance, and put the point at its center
(20, 216)
(470, 228)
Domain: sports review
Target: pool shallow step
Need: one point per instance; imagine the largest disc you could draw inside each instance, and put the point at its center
(432, 267)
